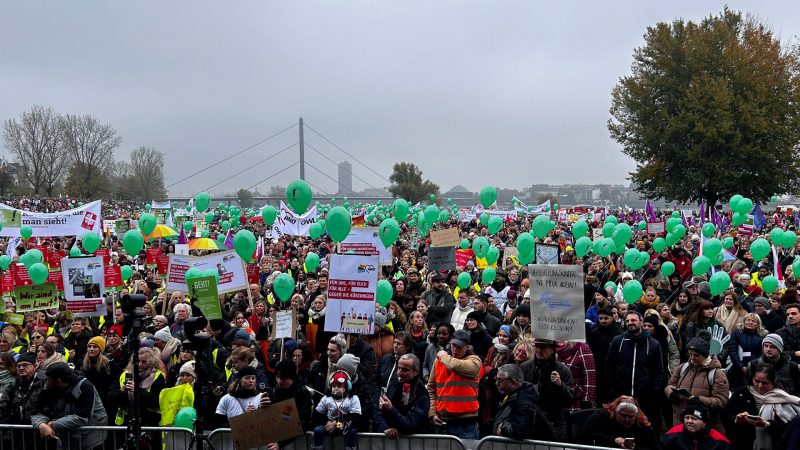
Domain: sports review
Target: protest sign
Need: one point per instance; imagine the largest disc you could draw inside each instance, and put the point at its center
(442, 258)
(113, 277)
(509, 252)
(200, 226)
(547, 253)
(109, 226)
(352, 282)
(293, 224)
(229, 266)
(84, 285)
(165, 204)
(54, 258)
(122, 226)
(448, 237)
(163, 265)
(597, 234)
(203, 292)
(172, 400)
(366, 241)
(105, 253)
(557, 301)
(7, 282)
(21, 276)
(253, 273)
(655, 227)
(176, 272)
(277, 422)
(152, 255)
(73, 222)
(747, 228)
(36, 297)
(285, 324)
(56, 278)
(463, 257)
(181, 249)
(14, 318)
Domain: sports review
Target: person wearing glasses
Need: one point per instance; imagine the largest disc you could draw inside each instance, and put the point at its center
(519, 415)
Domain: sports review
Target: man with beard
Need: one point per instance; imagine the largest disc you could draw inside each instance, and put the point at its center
(554, 382)
(463, 308)
(634, 367)
(403, 407)
(17, 399)
(440, 300)
(480, 305)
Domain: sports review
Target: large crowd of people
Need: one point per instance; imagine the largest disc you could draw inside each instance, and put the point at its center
(678, 368)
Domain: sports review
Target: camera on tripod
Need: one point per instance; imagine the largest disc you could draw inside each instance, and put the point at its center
(135, 318)
(194, 330)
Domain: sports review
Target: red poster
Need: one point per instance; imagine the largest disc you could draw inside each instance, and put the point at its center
(54, 258)
(105, 253)
(253, 272)
(152, 256)
(463, 256)
(163, 264)
(113, 276)
(56, 278)
(45, 249)
(7, 282)
(21, 277)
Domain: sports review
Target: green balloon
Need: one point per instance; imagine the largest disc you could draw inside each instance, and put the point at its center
(38, 273)
(580, 228)
(338, 222)
(193, 272)
(488, 196)
(5, 261)
(432, 197)
(226, 225)
(464, 280)
(284, 286)
(91, 242)
(464, 244)
(133, 242)
(244, 243)
(298, 196)
(484, 218)
(492, 255)
(582, 246)
(311, 261)
(26, 232)
(668, 268)
(488, 275)
(608, 229)
(709, 229)
(673, 222)
(727, 242)
(734, 202)
(776, 235)
(525, 243)
(495, 223)
(795, 266)
(126, 272)
(147, 222)
(211, 272)
(642, 225)
(526, 258)
(400, 210)
(185, 418)
(431, 214)
(789, 239)
(315, 230)
(701, 265)
(738, 219)
(201, 201)
(611, 219)
(676, 214)
(268, 215)
(35, 255)
(719, 282)
(480, 246)
(607, 247)
(611, 286)
(712, 247)
(744, 206)
(389, 231)
(632, 291)
(204, 234)
(769, 284)
(75, 251)
(384, 293)
(630, 258)
(622, 234)
(187, 226)
(759, 249)
(541, 226)
(773, 199)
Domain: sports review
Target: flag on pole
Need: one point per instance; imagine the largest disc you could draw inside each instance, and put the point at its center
(777, 268)
(229, 240)
(759, 219)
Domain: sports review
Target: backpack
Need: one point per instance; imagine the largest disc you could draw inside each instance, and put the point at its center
(711, 374)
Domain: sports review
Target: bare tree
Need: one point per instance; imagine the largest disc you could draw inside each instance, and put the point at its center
(91, 145)
(35, 140)
(147, 174)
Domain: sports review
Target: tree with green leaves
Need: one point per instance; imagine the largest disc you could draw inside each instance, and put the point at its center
(710, 110)
(407, 183)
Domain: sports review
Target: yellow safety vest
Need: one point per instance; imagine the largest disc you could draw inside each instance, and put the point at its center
(122, 412)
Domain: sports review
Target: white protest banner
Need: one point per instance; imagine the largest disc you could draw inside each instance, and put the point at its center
(352, 282)
(160, 205)
(293, 224)
(285, 324)
(655, 227)
(229, 266)
(84, 285)
(557, 302)
(110, 226)
(534, 210)
(547, 253)
(74, 222)
(366, 241)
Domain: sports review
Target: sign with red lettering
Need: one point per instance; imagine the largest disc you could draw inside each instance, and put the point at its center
(21, 277)
(56, 278)
(153, 254)
(352, 283)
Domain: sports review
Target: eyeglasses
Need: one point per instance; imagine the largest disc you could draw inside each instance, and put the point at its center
(500, 380)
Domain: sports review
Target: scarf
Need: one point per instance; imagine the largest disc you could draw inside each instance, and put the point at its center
(316, 315)
(729, 318)
(775, 404)
(244, 393)
(6, 377)
(148, 377)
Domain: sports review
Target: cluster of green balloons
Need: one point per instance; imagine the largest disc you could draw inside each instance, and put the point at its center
(741, 207)
(634, 259)
(785, 239)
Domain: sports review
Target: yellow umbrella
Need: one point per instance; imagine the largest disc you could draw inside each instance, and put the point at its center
(161, 231)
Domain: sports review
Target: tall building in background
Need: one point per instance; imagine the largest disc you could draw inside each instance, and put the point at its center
(345, 178)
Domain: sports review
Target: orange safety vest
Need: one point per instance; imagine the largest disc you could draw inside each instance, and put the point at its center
(455, 394)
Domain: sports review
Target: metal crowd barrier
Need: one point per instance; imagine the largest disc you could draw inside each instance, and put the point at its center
(25, 437)
(501, 443)
(221, 440)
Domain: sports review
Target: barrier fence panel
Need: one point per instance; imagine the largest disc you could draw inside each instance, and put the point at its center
(501, 443)
(25, 437)
(221, 439)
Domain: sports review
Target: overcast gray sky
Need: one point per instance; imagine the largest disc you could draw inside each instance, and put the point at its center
(509, 93)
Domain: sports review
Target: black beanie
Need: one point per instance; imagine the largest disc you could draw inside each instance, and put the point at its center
(699, 345)
(59, 370)
(286, 369)
(27, 357)
(523, 310)
(245, 371)
(474, 315)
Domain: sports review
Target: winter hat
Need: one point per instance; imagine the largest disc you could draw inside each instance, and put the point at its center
(163, 335)
(188, 367)
(762, 301)
(627, 275)
(116, 329)
(340, 378)
(602, 292)
(27, 357)
(146, 343)
(349, 363)
(58, 370)
(511, 294)
(241, 334)
(697, 409)
(506, 329)
(699, 345)
(688, 284)
(474, 315)
(460, 338)
(98, 341)
(286, 369)
(380, 320)
(523, 310)
(652, 320)
(246, 371)
(775, 340)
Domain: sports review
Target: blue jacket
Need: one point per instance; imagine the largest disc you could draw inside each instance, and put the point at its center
(745, 342)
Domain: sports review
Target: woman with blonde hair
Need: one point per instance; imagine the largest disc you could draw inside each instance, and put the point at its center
(152, 381)
(746, 342)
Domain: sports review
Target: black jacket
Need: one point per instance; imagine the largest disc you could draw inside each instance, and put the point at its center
(678, 439)
(601, 430)
(410, 418)
(791, 341)
(440, 305)
(17, 400)
(520, 416)
(302, 399)
(634, 366)
(599, 340)
(553, 398)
